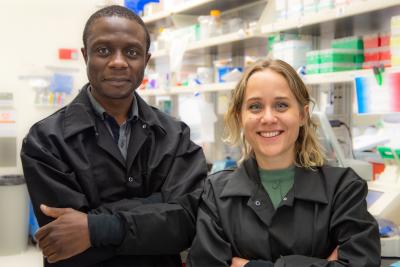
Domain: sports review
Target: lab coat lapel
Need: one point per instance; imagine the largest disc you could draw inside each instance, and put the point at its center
(262, 206)
(138, 137)
(259, 201)
(106, 142)
(245, 182)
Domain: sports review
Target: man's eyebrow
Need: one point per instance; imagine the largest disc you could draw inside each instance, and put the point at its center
(106, 41)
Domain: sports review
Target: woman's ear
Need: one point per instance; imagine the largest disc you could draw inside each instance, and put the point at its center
(304, 115)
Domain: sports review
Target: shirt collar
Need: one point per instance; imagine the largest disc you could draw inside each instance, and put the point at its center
(79, 114)
(308, 184)
(100, 111)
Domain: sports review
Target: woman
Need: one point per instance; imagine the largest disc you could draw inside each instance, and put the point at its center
(282, 206)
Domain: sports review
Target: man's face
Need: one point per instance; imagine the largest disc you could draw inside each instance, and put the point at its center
(115, 56)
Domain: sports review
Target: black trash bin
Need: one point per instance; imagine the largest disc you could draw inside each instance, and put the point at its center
(14, 214)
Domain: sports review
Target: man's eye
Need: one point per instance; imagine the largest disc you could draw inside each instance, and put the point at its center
(255, 107)
(281, 106)
(103, 51)
(132, 53)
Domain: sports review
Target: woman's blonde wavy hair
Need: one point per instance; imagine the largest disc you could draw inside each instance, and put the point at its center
(308, 150)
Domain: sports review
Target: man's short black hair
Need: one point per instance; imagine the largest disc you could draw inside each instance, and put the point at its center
(115, 11)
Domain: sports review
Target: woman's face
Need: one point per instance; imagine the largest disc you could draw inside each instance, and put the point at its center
(271, 118)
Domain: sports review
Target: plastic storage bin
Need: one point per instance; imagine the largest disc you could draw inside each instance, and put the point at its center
(14, 214)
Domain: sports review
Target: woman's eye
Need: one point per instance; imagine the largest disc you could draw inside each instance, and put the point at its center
(255, 107)
(103, 51)
(280, 106)
(132, 53)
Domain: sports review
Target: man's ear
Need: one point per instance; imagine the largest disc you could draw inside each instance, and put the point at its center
(148, 56)
(84, 53)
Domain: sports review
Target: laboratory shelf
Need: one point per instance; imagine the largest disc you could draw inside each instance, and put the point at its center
(225, 39)
(341, 76)
(315, 79)
(343, 11)
(175, 90)
(195, 7)
(156, 16)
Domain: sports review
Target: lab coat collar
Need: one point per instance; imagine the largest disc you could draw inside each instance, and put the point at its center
(80, 116)
(308, 184)
(147, 114)
(243, 181)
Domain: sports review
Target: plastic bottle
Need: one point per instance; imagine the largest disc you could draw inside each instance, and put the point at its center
(204, 24)
(215, 23)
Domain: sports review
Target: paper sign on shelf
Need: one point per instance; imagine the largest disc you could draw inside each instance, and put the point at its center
(8, 125)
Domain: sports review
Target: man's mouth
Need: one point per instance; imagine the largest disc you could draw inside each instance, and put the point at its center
(117, 81)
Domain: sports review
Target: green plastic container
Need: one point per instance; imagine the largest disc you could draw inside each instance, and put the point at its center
(385, 152)
(313, 57)
(353, 42)
(336, 67)
(312, 69)
(340, 56)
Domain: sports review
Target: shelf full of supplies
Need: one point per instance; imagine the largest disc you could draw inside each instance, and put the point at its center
(339, 12)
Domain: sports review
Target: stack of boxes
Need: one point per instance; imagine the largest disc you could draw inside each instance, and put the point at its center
(325, 4)
(395, 40)
(290, 9)
(344, 54)
(376, 50)
(292, 51)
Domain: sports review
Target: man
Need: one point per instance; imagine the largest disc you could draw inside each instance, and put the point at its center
(113, 181)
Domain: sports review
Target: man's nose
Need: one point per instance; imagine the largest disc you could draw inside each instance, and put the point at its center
(118, 60)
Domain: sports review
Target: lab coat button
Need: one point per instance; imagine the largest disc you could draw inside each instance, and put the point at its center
(257, 203)
(130, 179)
(144, 126)
(285, 198)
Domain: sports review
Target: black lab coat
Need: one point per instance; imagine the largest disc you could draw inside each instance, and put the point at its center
(324, 209)
(70, 160)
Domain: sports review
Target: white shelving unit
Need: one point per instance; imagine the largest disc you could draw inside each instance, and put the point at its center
(194, 7)
(176, 90)
(265, 29)
(185, 7)
(240, 36)
(315, 79)
(357, 8)
(341, 76)
(341, 21)
(343, 11)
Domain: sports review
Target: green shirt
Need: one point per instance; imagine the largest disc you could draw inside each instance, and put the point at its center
(277, 183)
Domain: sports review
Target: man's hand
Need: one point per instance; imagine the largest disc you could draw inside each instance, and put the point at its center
(66, 236)
(238, 262)
(334, 255)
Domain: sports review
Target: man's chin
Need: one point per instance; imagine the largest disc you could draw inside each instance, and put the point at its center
(119, 94)
(120, 97)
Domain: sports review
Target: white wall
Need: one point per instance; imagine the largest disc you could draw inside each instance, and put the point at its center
(31, 33)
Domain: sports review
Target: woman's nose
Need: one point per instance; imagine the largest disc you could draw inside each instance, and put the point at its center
(268, 116)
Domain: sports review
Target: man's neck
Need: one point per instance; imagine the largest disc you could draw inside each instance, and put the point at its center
(117, 108)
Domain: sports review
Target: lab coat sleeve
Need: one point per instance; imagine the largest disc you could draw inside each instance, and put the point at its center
(50, 181)
(355, 230)
(169, 227)
(126, 204)
(353, 226)
(210, 246)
